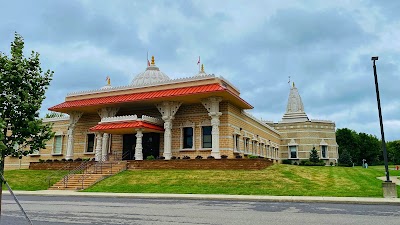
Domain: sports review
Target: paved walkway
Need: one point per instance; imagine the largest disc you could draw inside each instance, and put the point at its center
(352, 200)
(393, 179)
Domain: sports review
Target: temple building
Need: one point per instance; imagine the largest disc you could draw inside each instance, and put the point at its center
(156, 116)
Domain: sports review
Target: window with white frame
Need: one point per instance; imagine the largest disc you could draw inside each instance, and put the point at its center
(206, 137)
(324, 151)
(187, 137)
(293, 151)
(57, 145)
(236, 138)
(90, 143)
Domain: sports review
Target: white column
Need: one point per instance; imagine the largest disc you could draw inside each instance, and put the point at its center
(215, 136)
(168, 111)
(98, 154)
(139, 147)
(106, 112)
(73, 119)
(104, 147)
(212, 106)
(167, 139)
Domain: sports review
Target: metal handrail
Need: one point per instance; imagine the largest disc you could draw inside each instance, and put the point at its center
(56, 173)
(81, 168)
(95, 167)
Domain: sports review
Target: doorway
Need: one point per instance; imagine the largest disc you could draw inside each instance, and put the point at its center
(150, 144)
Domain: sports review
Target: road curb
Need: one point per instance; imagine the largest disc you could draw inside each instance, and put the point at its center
(300, 199)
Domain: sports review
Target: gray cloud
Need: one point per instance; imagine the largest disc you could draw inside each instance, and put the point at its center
(325, 47)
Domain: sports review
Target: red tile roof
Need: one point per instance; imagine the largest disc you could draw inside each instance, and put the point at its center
(140, 96)
(135, 124)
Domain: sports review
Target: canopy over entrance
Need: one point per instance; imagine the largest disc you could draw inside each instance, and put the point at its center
(128, 124)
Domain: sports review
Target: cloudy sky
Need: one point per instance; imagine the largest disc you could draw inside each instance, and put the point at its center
(324, 46)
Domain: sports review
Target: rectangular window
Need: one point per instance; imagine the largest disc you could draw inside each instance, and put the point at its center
(188, 137)
(293, 152)
(57, 148)
(90, 143)
(324, 151)
(207, 138)
(237, 143)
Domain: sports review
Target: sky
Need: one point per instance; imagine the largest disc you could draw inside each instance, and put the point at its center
(324, 46)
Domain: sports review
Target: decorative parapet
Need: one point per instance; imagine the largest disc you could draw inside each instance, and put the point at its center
(54, 119)
(128, 87)
(152, 120)
(321, 121)
(259, 121)
(119, 119)
(129, 118)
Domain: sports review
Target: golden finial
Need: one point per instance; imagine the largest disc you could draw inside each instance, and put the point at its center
(293, 84)
(202, 68)
(108, 79)
(152, 60)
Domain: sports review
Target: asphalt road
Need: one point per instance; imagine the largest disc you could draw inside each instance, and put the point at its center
(105, 211)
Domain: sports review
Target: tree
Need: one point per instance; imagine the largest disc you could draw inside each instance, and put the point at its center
(314, 158)
(22, 88)
(349, 140)
(54, 115)
(393, 148)
(345, 158)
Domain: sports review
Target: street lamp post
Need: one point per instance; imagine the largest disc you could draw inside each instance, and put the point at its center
(385, 158)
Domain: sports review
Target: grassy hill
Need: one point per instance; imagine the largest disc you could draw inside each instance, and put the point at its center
(279, 179)
(276, 180)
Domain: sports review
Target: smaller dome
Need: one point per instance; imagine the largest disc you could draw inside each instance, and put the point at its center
(151, 75)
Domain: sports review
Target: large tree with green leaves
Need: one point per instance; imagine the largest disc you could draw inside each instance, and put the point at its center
(22, 90)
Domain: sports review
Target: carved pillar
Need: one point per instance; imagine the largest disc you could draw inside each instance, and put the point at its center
(139, 148)
(212, 106)
(104, 147)
(99, 137)
(168, 111)
(106, 112)
(73, 119)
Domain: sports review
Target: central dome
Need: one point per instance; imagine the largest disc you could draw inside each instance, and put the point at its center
(151, 75)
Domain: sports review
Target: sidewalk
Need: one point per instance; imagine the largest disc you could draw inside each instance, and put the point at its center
(348, 200)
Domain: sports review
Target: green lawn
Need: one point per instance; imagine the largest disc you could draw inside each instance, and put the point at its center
(31, 180)
(275, 180)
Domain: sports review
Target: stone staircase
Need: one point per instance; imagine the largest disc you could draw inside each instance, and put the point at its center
(85, 176)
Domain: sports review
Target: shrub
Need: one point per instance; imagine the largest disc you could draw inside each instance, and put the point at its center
(303, 162)
(56, 160)
(41, 160)
(314, 156)
(224, 156)
(199, 157)
(331, 163)
(78, 160)
(94, 159)
(86, 159)
(150, 157)
(63, 160)
(253, 157)
(308, 163)
(173, 157)
(295, 163)
(210, 157)
(287, 161)
(49, 160)
(162, 157)
(238, 156)
(186, 157)
(70, 160)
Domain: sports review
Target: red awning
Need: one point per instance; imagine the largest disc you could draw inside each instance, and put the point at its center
(140, 96)
(124, 125)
